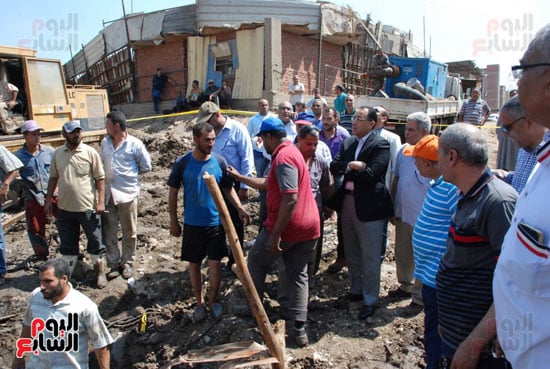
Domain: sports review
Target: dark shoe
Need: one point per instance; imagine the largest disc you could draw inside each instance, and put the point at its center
(400, 294)
(366, 311)
(300, 336)
(216, 310)
(199, 313)
(353, 297)
(113, 272)
(337, 266)
(127, 271)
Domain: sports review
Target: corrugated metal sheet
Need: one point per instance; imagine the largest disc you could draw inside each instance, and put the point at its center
(151, 26)
(234, 13)
(75, 66)
(94, 50)
(180, 20)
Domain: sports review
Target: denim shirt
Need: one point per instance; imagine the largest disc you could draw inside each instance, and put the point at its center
(35, 172)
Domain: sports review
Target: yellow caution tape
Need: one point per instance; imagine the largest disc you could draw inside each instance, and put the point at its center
(192, 112)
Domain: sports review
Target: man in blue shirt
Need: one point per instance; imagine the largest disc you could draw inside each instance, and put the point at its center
(204, 233)
(340, 100)
(159, 81)
(36, 159)
(234, 145)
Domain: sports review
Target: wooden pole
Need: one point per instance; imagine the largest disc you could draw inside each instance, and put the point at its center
(241, 269)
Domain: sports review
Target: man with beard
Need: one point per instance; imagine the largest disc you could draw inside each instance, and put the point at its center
(202, 228)
(77, 172)
(56, 300)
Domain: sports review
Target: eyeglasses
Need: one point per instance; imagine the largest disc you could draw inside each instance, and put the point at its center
(508, 128)
(360, 119)
(517, 70)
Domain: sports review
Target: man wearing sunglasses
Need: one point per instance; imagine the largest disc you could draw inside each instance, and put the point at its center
(525, 134)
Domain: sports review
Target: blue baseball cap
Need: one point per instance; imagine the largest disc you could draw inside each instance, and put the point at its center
(271, 124)
(71, 126)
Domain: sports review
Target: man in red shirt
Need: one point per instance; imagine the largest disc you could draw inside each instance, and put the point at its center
(292, 225)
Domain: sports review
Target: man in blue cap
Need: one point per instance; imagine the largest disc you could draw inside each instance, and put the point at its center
(292, 226)
(77, 172)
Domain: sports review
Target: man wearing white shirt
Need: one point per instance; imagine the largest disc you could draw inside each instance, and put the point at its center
(521, 287)
(124, 158)
(316, 95)
(296, 91)
(254, 125)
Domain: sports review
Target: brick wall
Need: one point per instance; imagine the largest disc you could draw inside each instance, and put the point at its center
(300, 56)
(169, 56)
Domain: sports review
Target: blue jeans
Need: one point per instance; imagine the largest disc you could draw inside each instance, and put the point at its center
(68, 226)
(447, 353)
(3, 261)
(432, 341)
(156, 99)
(260, 163)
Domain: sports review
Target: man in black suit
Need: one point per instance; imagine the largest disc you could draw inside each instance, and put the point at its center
(365, 203)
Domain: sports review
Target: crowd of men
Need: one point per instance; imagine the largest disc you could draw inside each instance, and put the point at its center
(471, 243)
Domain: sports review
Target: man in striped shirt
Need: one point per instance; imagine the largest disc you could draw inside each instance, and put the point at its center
(474, 111)
(464, 280)
(430, 237)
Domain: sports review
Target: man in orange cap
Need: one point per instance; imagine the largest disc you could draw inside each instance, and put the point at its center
(429, 238)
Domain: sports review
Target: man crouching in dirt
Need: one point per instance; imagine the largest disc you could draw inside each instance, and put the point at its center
(61, 322)
(203, 232)
(77, 169)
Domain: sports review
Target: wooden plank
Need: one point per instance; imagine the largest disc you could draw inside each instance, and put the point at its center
(12, 220)
(240, 267)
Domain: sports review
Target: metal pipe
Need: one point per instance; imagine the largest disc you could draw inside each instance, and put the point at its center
(320, 45)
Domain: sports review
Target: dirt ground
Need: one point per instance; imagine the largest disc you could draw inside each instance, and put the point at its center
(391, 338)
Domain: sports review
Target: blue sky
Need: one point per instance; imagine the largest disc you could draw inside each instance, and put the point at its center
(466, 30)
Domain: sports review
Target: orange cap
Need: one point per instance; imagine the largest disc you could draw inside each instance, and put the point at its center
(426, 148)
